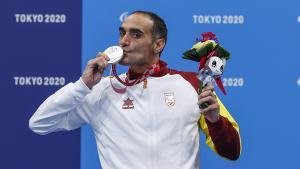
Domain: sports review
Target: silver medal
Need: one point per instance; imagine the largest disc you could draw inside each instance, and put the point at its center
(114, 53)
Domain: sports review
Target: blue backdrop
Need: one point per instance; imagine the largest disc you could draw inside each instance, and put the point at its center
(40, 45)
(45, 44)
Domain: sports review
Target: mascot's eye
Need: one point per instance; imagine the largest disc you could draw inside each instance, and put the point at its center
(214, 63)
(222, 68)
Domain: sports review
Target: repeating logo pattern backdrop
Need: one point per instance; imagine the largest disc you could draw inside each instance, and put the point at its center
(261, 78)
(40, 52)
(46, 44)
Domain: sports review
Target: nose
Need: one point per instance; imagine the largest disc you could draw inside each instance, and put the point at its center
(124, 41)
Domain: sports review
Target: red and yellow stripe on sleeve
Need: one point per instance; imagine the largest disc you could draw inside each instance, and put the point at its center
(223, 136)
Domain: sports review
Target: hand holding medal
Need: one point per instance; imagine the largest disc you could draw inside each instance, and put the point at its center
(95, 67)
(212, 60)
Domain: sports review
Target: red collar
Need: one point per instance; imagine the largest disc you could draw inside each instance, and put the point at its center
(162, 70)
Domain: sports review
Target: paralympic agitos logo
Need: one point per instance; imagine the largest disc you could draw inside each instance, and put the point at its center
(123, 16)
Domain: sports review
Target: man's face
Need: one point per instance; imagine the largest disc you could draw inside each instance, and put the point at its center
(136, 39)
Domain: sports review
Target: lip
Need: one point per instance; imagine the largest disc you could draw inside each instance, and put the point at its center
(125, 52)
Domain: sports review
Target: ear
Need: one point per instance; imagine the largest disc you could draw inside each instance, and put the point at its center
(159, 45)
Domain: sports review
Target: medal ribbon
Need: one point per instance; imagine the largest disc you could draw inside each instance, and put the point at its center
(127, 82)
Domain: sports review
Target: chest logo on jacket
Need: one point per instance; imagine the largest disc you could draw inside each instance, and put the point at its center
(128, 104)
(169, 99)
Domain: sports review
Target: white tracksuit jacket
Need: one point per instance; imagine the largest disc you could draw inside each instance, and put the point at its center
(144, 128)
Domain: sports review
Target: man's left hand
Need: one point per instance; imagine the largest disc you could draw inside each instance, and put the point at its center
(212, 112)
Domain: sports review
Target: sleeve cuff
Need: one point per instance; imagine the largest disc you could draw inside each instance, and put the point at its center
(218, 124)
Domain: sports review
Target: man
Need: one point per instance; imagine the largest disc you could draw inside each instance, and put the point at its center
(152, 124)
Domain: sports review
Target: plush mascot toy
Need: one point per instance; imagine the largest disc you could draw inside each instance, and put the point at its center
(212, 60)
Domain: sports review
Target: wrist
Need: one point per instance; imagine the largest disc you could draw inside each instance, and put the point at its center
(213, 118)
(87, 82)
